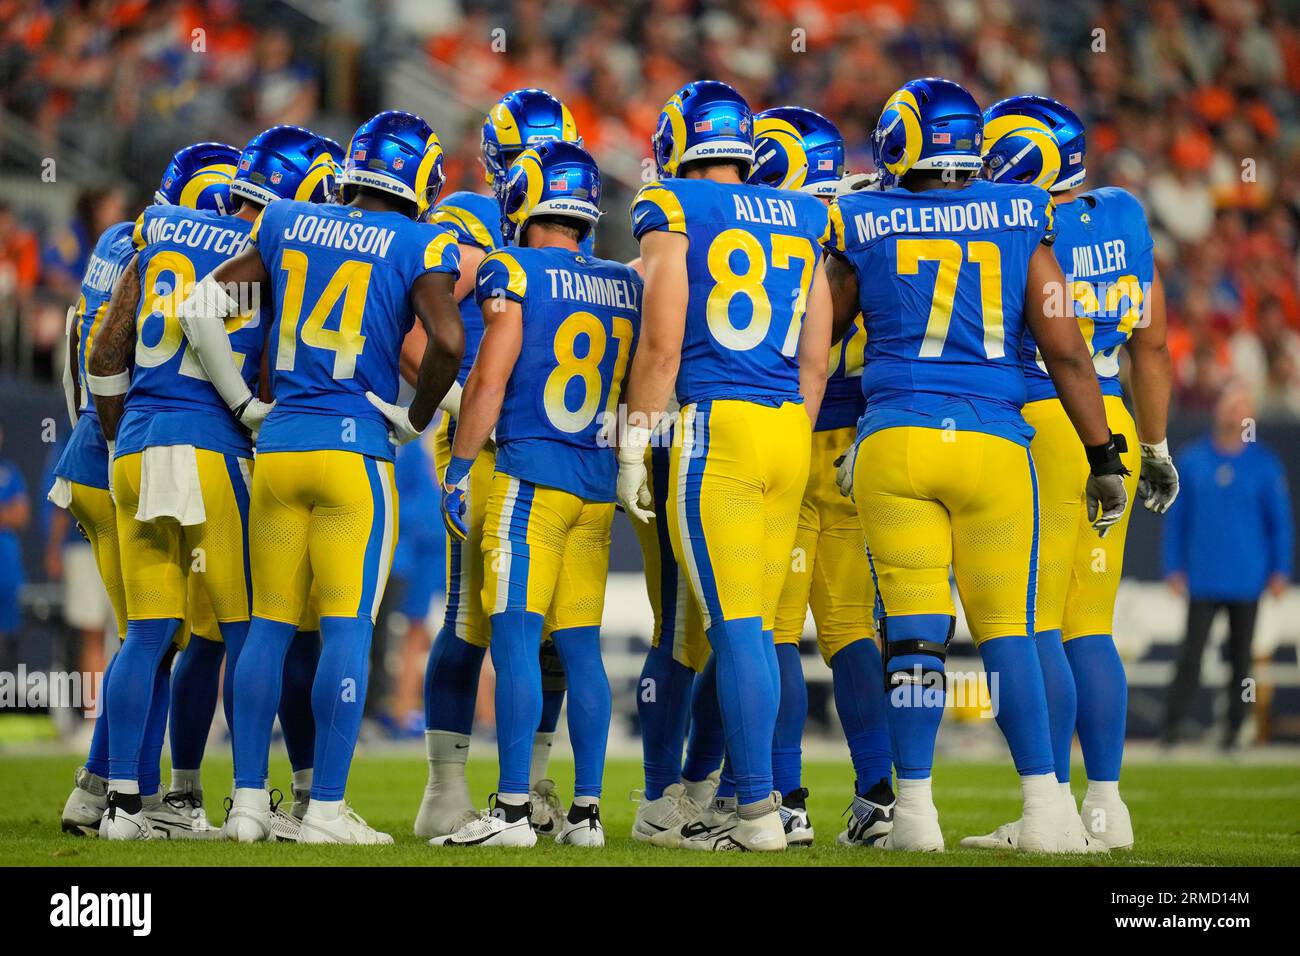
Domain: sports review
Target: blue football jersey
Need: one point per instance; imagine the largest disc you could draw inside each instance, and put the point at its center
(581, 319)
(171, 401)
(843, 403)
(941, 279)
(1105, 251)
(341, 282)
(475, 221)
(85, 457)
(750, 261)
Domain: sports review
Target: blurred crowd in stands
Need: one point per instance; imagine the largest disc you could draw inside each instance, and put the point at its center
(1193, 106)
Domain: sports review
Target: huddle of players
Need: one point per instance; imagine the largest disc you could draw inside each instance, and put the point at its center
(748, 278)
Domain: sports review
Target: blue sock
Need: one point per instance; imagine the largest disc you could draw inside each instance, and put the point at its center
(296, 718)
(234, 635)
(706, 744)
(1103, 703)
(97, 757)
(915, 710)
(451, 683)
(787, 750)
(258, 677)
(516, 640)
(155, 727)
(194, 700)
(130, 692)
(749, 695)
(589, 705)
(1016, 687)
(338, 699)
(554, 683)
(858, 676)
(1058, 682)
(663, 706)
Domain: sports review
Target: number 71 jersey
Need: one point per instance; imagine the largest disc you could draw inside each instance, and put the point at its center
(750, 259)
(942, 275)
(581, 319)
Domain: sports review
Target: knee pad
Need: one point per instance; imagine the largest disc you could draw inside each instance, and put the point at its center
(908, 660)
(553, 679)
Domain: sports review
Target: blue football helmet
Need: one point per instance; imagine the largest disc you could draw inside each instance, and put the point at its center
(1034, 139)
(796, 148)
(396, 153)
(551, 179)
(522, 119)
(931, 123)
(336, 154)
(706, 119)
(284, 162)
(198, 177)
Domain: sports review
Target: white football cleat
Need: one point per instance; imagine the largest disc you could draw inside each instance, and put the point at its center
(764, 833)
(1106, 818)
(179, 815)
(717, 815)
(669, 813)
(117, 824)
(548, 811)
(1049, 822)
(85, 806)
(871, 817)
(581, 827)
(794, 818)
(248, 816)
(703, 791)
(503, 825)
(1007, 836)
(916, 825)
(341, 825)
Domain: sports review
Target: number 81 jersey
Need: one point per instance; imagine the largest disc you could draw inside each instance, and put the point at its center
(581, 319)
(750, 261)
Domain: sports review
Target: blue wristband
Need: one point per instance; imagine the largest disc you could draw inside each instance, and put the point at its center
(457, 469)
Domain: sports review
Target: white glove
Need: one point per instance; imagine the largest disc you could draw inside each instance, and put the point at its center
(1158, 478)
(633, 487)
(844, 466)
(253, 413)
(401, 430)
(451, 401)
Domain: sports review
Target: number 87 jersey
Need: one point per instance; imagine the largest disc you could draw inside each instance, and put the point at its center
(752, 251)
(581, 319)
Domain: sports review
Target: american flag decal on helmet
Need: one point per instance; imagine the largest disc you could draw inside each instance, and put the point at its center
(704, 126)
(560, 183)
(825, 164)
(941, 139)
(1076, 158)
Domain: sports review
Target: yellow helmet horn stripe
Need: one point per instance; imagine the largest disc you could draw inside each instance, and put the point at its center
(782, 132)
(533, 176)
(216, 174)
(432, 153)
(322, 167)
(503, 122)
(677, 120)
(569, 129)
(904, 104)
(1038, 135)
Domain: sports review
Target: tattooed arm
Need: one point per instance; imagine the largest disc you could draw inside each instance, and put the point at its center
(107, 364)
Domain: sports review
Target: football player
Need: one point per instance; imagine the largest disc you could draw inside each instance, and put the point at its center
(343, 282)
(738, 314)
(800, 149)
(1113, 287)
(519, 120)
(559, 330)
(946, 272)
(198, 176)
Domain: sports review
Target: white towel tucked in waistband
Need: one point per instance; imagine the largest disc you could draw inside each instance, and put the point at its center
(169, 485)
(61, 494)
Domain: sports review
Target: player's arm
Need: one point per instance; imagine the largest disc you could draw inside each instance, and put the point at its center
(71, 385)
(485, 389)
(414, 343)
(1069, 363)
(655, 364)
(434, 301)
(203, 317)
(107, 375)
(842, 282)
(815, 344)
(1152, 383)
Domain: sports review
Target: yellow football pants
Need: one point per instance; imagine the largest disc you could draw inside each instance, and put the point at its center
(165, 565)
(326, 516)
(676, 614)
(464, 611)
(94, 510)
(932, 499)
(547, 552)
(1078, 572)
(738, 473)
(829, 570)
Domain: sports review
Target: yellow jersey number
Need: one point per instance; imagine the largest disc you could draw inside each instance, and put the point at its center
(950, 255)
(586, 368)
(164, 299)
(787, 251)
(351, 282)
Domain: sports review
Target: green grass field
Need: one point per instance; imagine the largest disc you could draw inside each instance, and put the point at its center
(1184, 814)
